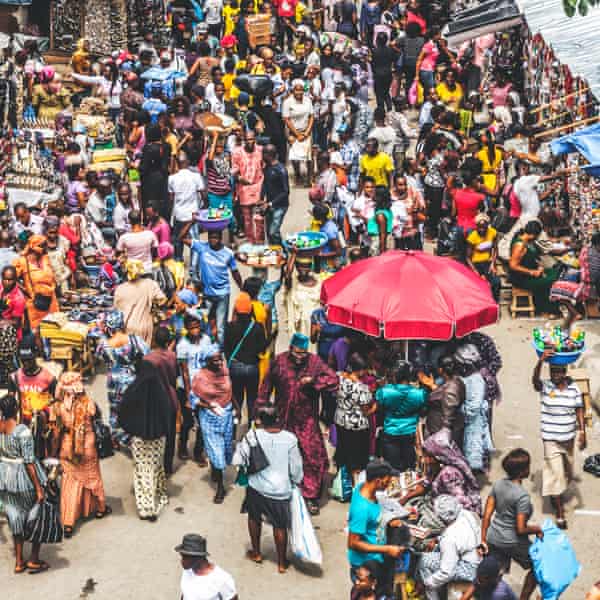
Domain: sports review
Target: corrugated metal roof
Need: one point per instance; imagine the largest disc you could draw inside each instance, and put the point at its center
(575, 39)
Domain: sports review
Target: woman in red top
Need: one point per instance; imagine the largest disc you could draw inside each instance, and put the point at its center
(466, 203)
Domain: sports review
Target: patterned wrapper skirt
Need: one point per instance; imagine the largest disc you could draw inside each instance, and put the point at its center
(82, 491)
(149, 479)
(218, 436)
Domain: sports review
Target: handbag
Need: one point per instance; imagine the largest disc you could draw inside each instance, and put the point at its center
(257, 461)
(104, 446)
(43, 525)
(40, 301)
(239, 344)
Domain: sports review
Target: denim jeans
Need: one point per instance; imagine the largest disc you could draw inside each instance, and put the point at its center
(218, 309)
(427, 79)
(244, 380)
(275, 218)
(177, 244)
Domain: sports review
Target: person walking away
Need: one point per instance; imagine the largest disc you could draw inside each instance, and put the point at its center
(401, 404)
(201, 579)
(269, 491)
(146, 413)
(562, 422)
(297, 377)
(214, 263)
(216, 409)
(185, 197)
(245, 341)
(191, 357)
(139, 243)
(164, 360)
(505, 529)
(82, 489)
(275, 194)
(354, 404)
(23, 481)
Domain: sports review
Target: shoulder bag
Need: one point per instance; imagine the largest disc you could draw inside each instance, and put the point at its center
(41, 301)
(257, 461)
(239, 344)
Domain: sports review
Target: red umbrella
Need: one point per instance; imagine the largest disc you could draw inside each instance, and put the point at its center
(409, 295)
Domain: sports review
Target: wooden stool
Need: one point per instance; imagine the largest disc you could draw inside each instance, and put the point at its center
(592, 308)
(516, 307)
(505, 292)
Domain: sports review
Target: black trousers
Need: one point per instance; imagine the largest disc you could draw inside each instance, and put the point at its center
(399, 451)
(187, 425)
(382, 92)
(434, 197)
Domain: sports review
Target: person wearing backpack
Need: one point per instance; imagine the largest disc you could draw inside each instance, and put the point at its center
(245, 341)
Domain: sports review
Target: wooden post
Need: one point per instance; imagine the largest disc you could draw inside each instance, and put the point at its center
(569, 126)
(561, 99)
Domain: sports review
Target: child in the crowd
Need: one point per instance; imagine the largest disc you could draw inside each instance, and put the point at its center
(489, 584)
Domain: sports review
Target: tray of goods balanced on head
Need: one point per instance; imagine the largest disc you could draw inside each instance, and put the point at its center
(306, 242)
(566, 348)
(214, 219)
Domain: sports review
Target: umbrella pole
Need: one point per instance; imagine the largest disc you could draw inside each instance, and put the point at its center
(405, 349)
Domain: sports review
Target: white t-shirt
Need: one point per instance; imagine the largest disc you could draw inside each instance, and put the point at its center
(216, 585)
(386, 137)
(526, 190)
(212, 11)
(298, 112)
(185, 185)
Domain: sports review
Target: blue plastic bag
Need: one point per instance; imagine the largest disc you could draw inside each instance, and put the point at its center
(554, 562)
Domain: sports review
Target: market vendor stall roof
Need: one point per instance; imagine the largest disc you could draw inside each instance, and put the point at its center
(403, 295)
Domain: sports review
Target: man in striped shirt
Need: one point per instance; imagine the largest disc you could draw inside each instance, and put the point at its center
(562, 419)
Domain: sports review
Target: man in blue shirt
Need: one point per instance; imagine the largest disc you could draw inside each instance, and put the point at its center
(366, 531)
(214, 262)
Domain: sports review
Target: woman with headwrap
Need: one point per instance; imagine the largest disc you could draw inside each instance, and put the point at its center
(215, 410)
(135, 298)
(146, 413)
(447, 472)
(82, 490)
(39, 284)
(456, 557)
(120, 351)
(477, 440)
(49, 97)
(58, 248)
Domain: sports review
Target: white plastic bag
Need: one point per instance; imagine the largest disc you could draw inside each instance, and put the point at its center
(303, 539)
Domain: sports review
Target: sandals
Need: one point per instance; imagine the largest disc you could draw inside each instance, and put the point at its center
(561, 523)
(219, 497)
(254, 557)
(313, 508)
(67, 531)
(20, 568)
(38, 567)
(102, 513)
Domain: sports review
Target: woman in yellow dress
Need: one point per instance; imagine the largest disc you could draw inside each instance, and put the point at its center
(491, 158)
(262, 315)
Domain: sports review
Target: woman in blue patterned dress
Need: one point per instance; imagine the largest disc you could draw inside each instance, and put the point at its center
(120, 352)
(21, 482)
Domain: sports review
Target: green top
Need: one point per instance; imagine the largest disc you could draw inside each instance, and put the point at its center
(530, 259)
(401, 406)
(373, 228)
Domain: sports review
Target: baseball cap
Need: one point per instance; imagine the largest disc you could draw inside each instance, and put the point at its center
(380, 468)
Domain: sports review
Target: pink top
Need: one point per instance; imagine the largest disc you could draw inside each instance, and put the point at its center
(467, 203)
(16, 308)
(500, 94)
(162, 231)
(249, 167)
(431, 55)
(515, 205)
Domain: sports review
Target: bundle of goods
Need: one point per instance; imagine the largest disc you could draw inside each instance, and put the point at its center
(214, 219)
(260, 255)
(92, 106)
(114, 159)
(338, 40)
(99, 127)
(567, 348)
(259, 86)
(306, 242)
(207, 121)
(259, 30)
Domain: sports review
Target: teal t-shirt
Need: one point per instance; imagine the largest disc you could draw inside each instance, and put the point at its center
(401, 405)
(364, 519)
(373, 228)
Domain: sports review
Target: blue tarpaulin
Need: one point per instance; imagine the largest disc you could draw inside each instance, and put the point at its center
(585, 141)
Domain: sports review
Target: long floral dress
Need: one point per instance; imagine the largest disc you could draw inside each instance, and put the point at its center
(17, 492)
(121, 362)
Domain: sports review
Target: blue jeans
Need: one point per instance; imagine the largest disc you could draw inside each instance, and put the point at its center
(275, 218)
(427, 79)
(218, 309)
(244, 382)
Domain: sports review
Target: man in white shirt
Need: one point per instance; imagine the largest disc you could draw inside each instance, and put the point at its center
(185, 188)
(526, 189)
(384, 134)
(25, 221)
(202, 580)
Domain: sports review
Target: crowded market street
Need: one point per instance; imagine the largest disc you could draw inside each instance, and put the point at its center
(130, 559)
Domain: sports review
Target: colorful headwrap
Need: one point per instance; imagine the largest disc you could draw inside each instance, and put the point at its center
(35, 241)
(135, 269)
(69, 385)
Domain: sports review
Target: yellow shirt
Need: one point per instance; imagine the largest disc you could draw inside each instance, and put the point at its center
(379, 167)
(301, 9)
(482, 246)
(172, 140)
(488, 175)
(228, 84)
(448, 97)
(228, 14)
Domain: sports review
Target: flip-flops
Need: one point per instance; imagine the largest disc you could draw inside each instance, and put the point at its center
(38, 567)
